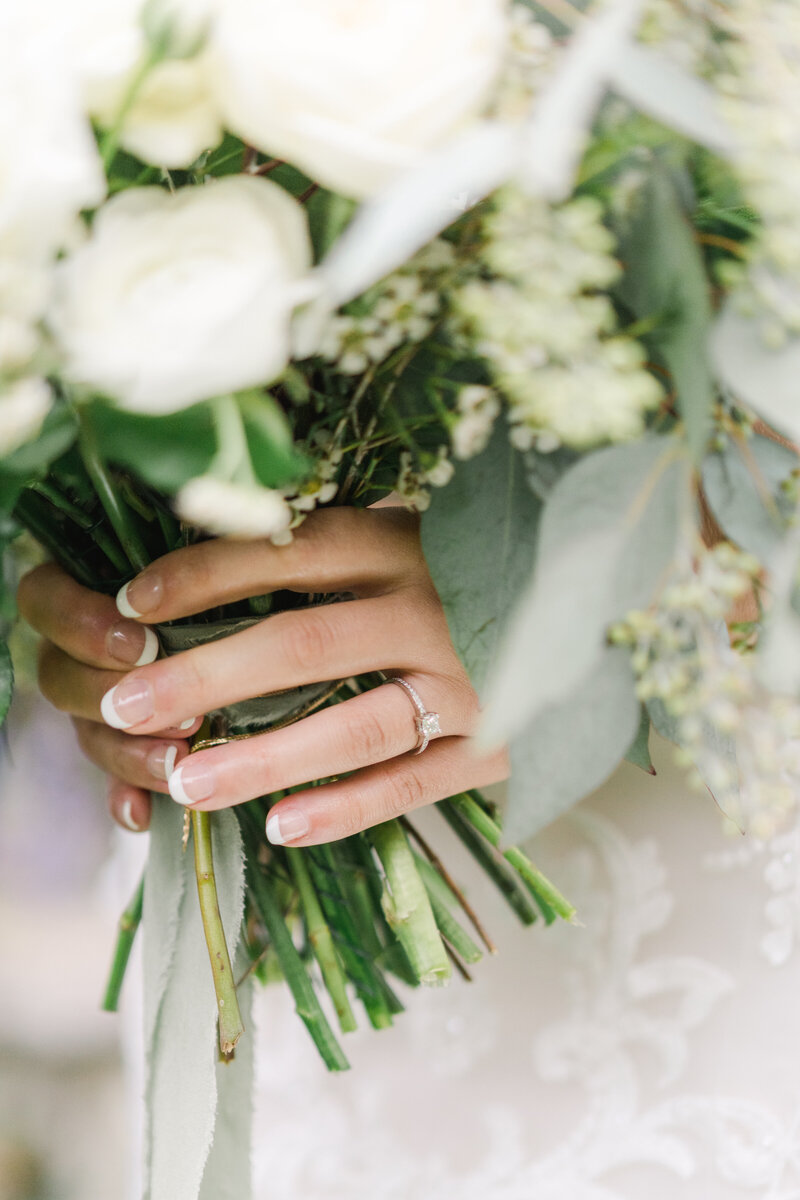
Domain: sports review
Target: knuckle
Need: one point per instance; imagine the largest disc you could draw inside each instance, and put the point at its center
(368, 740)
(308, 643)
(401, 792)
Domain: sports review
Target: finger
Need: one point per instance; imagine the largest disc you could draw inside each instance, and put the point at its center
(85, 624)
(377, 794)
(141, 762)
(77, 689)
(357, 550)
(373, 727)
(288, 650)
(129, 806)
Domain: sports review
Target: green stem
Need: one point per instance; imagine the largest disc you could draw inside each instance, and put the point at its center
(306, 1002)
(84, 521)
(490, 861)
(110, 142)
(319, 935)
(231, 1027)
(373, 991)
(407, 907)
(542, 890)
(117, 512)
(449, 927)
(128, 925)
(36, 515)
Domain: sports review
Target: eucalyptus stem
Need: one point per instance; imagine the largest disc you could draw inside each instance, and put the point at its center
(373, 992)
(490, 861)
(231, 1027)
(407, 906)
(543, 891)
(128, 925)
(322, 944)
(295, 974)
(117, 511)
(449, 927)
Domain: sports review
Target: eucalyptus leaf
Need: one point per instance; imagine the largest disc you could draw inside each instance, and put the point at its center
(479, 536)
(665, 278)
(657, 85)
(570, 748)
(608, 534)
(742, 486)
(6, 681)
(779, 651)
(638, 752)
(768, 380)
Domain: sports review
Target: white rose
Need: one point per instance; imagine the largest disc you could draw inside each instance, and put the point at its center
(233, 509)
(174, 116)
(23, 407)
(179, 297)
(352, 91)
(49, 166)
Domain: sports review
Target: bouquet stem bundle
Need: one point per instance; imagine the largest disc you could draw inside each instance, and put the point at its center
(365, 908)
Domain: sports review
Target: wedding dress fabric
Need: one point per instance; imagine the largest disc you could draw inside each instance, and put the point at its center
(650, 1052)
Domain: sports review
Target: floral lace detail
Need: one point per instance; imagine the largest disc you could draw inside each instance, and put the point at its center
(608, 1063)
(778, 859)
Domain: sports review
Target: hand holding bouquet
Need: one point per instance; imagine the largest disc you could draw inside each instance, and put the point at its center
(535, 273)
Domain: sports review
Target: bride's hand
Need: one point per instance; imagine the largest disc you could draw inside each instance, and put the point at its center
(395, 624)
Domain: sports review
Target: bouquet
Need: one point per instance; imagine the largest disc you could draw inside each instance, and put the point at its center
(250, 266)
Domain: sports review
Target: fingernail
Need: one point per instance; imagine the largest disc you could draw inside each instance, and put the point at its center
(127, 818)
(286, 826)
(140, 596)
(161, 761)
(187, 724)
(127, 704)
(134, 645)
(191, 782)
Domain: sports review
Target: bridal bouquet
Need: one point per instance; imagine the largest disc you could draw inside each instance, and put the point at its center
(536, 272)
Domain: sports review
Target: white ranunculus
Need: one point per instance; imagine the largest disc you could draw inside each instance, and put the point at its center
(233, 509)
(174, 116)
(23, 406)
(180, 297)
(49, 166)
(353, 91)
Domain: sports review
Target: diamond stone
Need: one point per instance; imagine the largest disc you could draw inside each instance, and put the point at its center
(429, 724)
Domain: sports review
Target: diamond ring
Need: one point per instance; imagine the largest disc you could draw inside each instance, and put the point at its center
(427, 723)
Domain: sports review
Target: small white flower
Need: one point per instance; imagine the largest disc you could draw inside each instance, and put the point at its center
(174, 115)
(236, 510)
(354, 91)
(23, 406)
(440, 474)
(178, 298)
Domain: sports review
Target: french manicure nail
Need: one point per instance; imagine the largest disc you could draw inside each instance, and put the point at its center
(187, 724)
(131, 644)
(286, 826)
(127, 704)
(141, 595)
(127, 818)
(161, 761)
(191, 782)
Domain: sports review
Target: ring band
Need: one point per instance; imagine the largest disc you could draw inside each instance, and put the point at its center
(427, 723)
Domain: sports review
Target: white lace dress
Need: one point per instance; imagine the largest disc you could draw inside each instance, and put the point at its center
(653, 1053)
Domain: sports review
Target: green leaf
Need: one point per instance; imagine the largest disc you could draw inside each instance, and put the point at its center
(742, 486)
(275, 459)
(30, 461)
(479, 536)
(638, 752)
(665, 278)
(6, 681)
(764, 378)
(608, 534)
(163, 451)
(572, 747)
